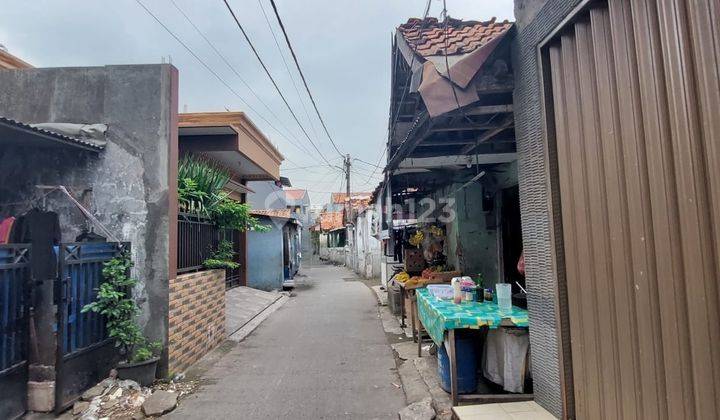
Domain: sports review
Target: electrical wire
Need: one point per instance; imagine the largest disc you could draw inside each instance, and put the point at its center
(407, 83)
(218, 77)
(447, 63)
(267, 72)
(212, 71)
(370, 178)
(302, 76)
(368, 163)
(237, 73)
(287, 67)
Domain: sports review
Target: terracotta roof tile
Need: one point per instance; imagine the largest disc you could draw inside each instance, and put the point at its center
(427, 37)
(341, 198)
(295, 194)
(281, 213)
(331, 220)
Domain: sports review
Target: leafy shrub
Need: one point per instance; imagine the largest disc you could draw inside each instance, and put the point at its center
(120, 310)
(229, 213)
(223, 257)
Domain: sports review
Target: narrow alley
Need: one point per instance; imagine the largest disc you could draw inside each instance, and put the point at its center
(323, 355)
(411, 210)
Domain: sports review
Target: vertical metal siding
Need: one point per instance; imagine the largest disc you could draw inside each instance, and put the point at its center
(635, 97)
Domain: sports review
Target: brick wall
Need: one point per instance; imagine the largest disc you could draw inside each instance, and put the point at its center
(197, 317)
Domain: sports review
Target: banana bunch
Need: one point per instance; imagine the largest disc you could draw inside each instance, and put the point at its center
(402, 277)
(437, 231)
(417, 238)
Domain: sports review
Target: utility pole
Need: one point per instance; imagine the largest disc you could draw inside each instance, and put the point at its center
(348, 204)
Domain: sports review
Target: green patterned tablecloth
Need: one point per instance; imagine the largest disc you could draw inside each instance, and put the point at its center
(439, 315)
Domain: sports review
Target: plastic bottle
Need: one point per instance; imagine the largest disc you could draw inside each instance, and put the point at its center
(457, 289)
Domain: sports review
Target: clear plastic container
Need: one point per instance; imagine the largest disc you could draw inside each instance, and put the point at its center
(504, 296)
(441, 291)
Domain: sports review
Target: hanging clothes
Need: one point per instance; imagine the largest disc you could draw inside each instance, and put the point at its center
(16, 233)
(521, 264)
(42, 230)
(6, 227)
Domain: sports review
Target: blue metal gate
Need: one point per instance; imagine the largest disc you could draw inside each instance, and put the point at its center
(14, 307)
(85, 354)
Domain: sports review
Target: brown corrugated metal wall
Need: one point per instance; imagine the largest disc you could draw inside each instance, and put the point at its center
(635, 98)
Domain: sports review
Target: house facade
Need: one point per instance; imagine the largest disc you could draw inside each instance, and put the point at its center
(298, 201)
(103, 144)
(274, 255)
(123, 176)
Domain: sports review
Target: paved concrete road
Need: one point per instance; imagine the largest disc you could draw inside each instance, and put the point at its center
(323, 355)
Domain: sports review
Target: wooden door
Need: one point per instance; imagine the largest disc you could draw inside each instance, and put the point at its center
(633, 113)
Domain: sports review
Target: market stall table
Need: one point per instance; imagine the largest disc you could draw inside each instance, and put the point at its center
(406, 292)
(442, 317)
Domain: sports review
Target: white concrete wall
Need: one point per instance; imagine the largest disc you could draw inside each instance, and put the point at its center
(336, 255)
(366, 250)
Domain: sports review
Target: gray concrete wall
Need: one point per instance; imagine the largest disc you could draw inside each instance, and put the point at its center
(265, 257)
(471, 243)
(129, 186)
(535, 20)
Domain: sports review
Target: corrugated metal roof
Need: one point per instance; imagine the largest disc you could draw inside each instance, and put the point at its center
(50, 135)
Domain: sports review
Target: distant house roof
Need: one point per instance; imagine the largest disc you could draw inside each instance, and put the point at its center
(331, 220)
(341, 198)
(427, 37)
(18, 133)
(295, 194)
(279, 213)
(9, 61)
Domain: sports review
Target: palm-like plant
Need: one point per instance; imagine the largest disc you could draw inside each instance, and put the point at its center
(200, 184)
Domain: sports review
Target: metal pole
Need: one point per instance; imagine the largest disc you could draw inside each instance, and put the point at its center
(347, 188)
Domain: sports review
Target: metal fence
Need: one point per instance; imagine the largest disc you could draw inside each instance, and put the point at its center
(198, 239)
(14, 304)
(14, 287)
(85, 352)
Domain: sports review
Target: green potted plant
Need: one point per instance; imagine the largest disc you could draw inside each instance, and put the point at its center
(139, 355)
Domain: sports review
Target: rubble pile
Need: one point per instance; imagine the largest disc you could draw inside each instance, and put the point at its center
(115, 398)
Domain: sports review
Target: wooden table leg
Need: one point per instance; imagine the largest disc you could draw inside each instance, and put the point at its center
(402, 307)
(412, 318)
(416, 316)
(452, 356)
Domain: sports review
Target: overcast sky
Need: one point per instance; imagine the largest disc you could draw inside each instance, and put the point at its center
(343, 47)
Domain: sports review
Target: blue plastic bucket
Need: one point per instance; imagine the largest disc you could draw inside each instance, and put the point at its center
(466, 365)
